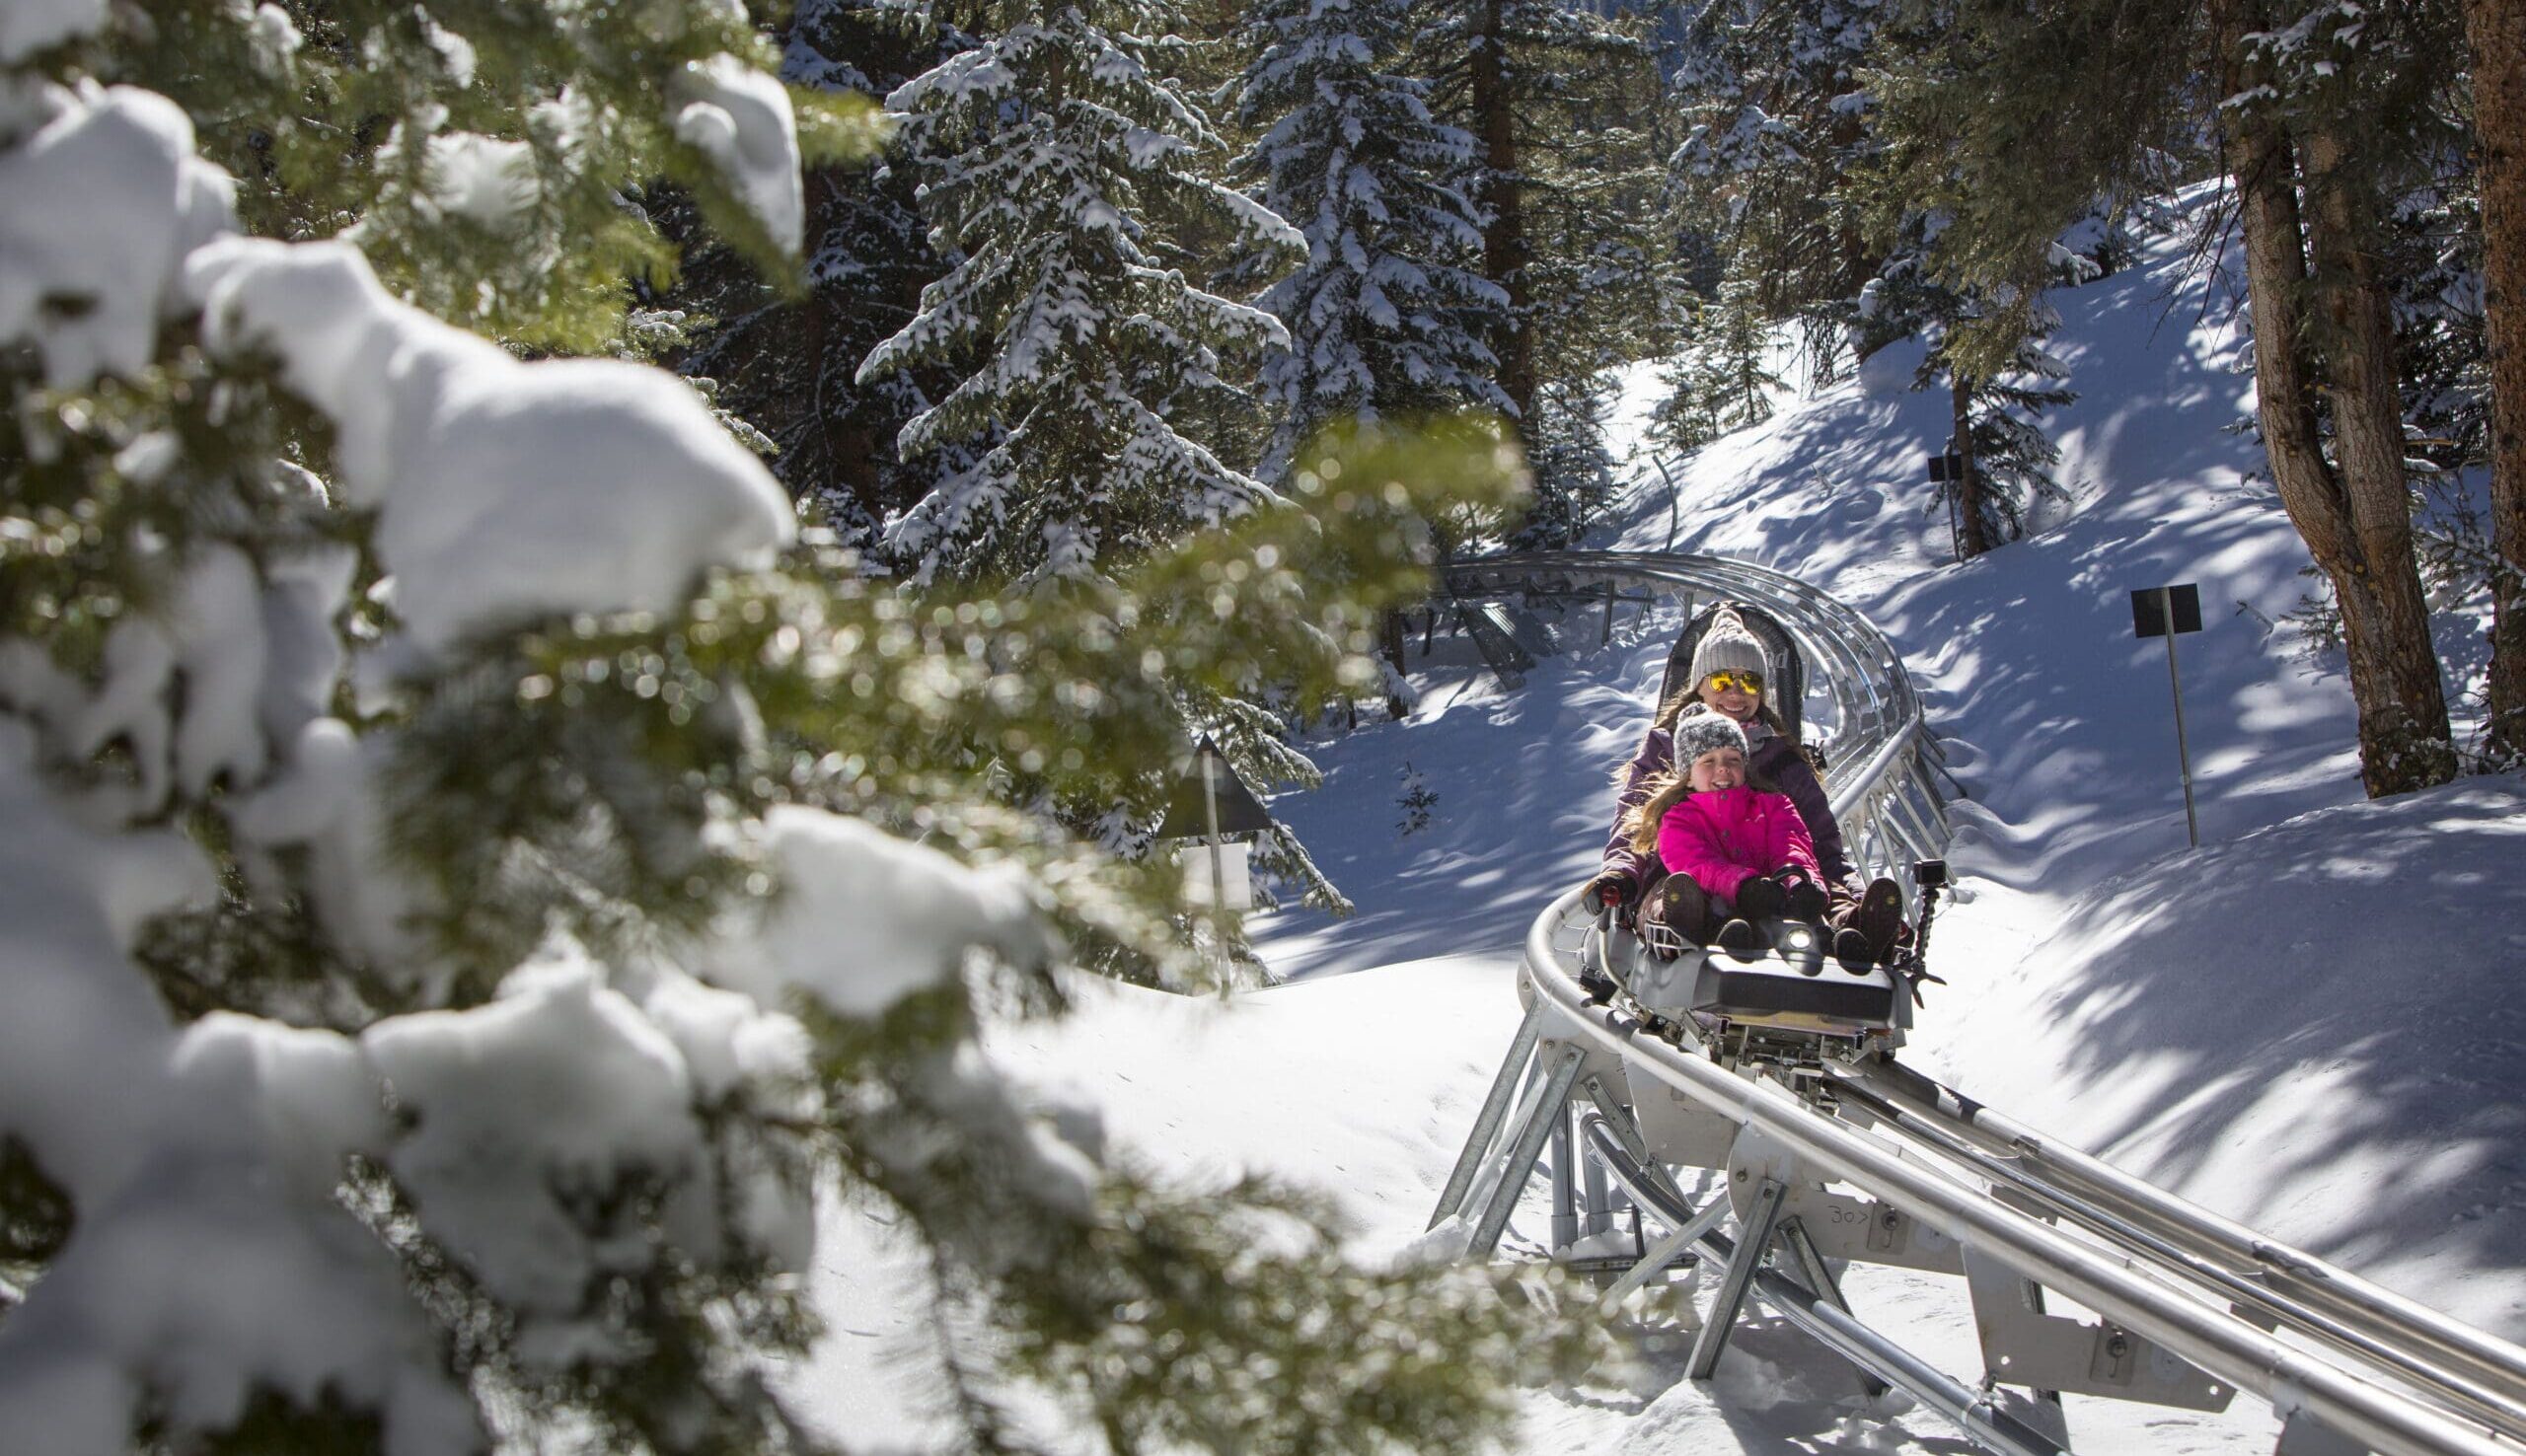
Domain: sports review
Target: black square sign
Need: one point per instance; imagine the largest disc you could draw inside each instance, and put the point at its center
(2149, 617)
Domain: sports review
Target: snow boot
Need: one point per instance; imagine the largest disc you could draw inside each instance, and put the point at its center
(1739, 936)
(1850, 951)
(1878, 917)
(1681, 911)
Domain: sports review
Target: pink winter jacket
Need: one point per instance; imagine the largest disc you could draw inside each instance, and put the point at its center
(1727, 838)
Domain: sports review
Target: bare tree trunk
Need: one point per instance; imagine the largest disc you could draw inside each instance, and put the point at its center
(2356, 520)
(1973, 531)
(2496, 33)
(1505, 248)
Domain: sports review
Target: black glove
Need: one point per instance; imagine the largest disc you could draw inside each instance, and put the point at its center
(1613, 888)
(1801, 898)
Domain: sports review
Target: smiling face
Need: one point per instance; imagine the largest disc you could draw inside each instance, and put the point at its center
(1737, 698)
(1720, 768)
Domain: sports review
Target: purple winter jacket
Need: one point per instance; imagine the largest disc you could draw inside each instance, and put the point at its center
(1776, 760)
(1726, 837)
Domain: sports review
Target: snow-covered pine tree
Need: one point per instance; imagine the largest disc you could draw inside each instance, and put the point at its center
(1565, 184)
(447, 892)
(1574, 472)
(1384, 319)
(790, 368)
(1723, 379)
(1059, 163)
(2003, 465)
(2322, 111)
(1777, 122)
(1056, 162)
(476, 151)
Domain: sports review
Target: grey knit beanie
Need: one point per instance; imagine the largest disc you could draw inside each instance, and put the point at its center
(1727, 644)
(1702, 729)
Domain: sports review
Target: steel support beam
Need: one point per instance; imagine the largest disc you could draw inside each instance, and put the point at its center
(1551, 1103)
(1495, 1106)
(1753, 1244)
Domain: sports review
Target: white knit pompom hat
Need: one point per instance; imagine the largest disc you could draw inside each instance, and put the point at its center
(1727, 644)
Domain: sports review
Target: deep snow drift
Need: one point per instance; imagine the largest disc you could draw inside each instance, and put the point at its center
(2313, 1024)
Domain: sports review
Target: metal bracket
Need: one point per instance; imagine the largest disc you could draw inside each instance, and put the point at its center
(2023, 1346)
(2302, 1434)
(1841, 1225)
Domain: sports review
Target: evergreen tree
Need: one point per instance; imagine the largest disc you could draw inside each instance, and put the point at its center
(1384, 319)
(1777, 127)
(1061, 165)
(2321, 109)
(790, 368)
(1574, 473)
(479, 152)
(1056, 162)
(2496, 36)
(1565, 184)
(1723, 379)
(2002, 462)
(454, 872)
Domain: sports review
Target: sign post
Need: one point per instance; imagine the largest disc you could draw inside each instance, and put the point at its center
(1947, 469)
(1211, 801)
(2165, 612)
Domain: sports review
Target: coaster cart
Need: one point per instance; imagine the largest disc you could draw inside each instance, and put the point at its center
(1785, 1005)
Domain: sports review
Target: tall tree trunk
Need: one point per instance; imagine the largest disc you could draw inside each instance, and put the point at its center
(2357, 345)
(1972, 532)
(2496, 33)
(1505, 250)
(2356, 520)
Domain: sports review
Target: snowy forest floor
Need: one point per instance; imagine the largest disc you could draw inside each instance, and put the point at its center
(2316, 1024)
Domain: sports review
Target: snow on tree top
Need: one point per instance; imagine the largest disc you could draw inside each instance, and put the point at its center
(505, 489)
(103, 199)
(740, 118)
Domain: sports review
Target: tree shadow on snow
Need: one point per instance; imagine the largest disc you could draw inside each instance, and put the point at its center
(2337, 998)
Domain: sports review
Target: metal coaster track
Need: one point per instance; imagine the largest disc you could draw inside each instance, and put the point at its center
(1877, 1162)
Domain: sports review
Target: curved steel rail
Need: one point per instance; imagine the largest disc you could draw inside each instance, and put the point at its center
(2367, 1363)
(2402, 1405)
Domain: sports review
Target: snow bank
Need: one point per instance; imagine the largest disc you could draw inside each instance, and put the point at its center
(2269, 1022)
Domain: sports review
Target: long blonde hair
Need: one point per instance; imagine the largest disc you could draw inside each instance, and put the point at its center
(1666, 791)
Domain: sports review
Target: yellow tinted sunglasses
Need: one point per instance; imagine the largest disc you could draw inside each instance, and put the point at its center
(1727, 678)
